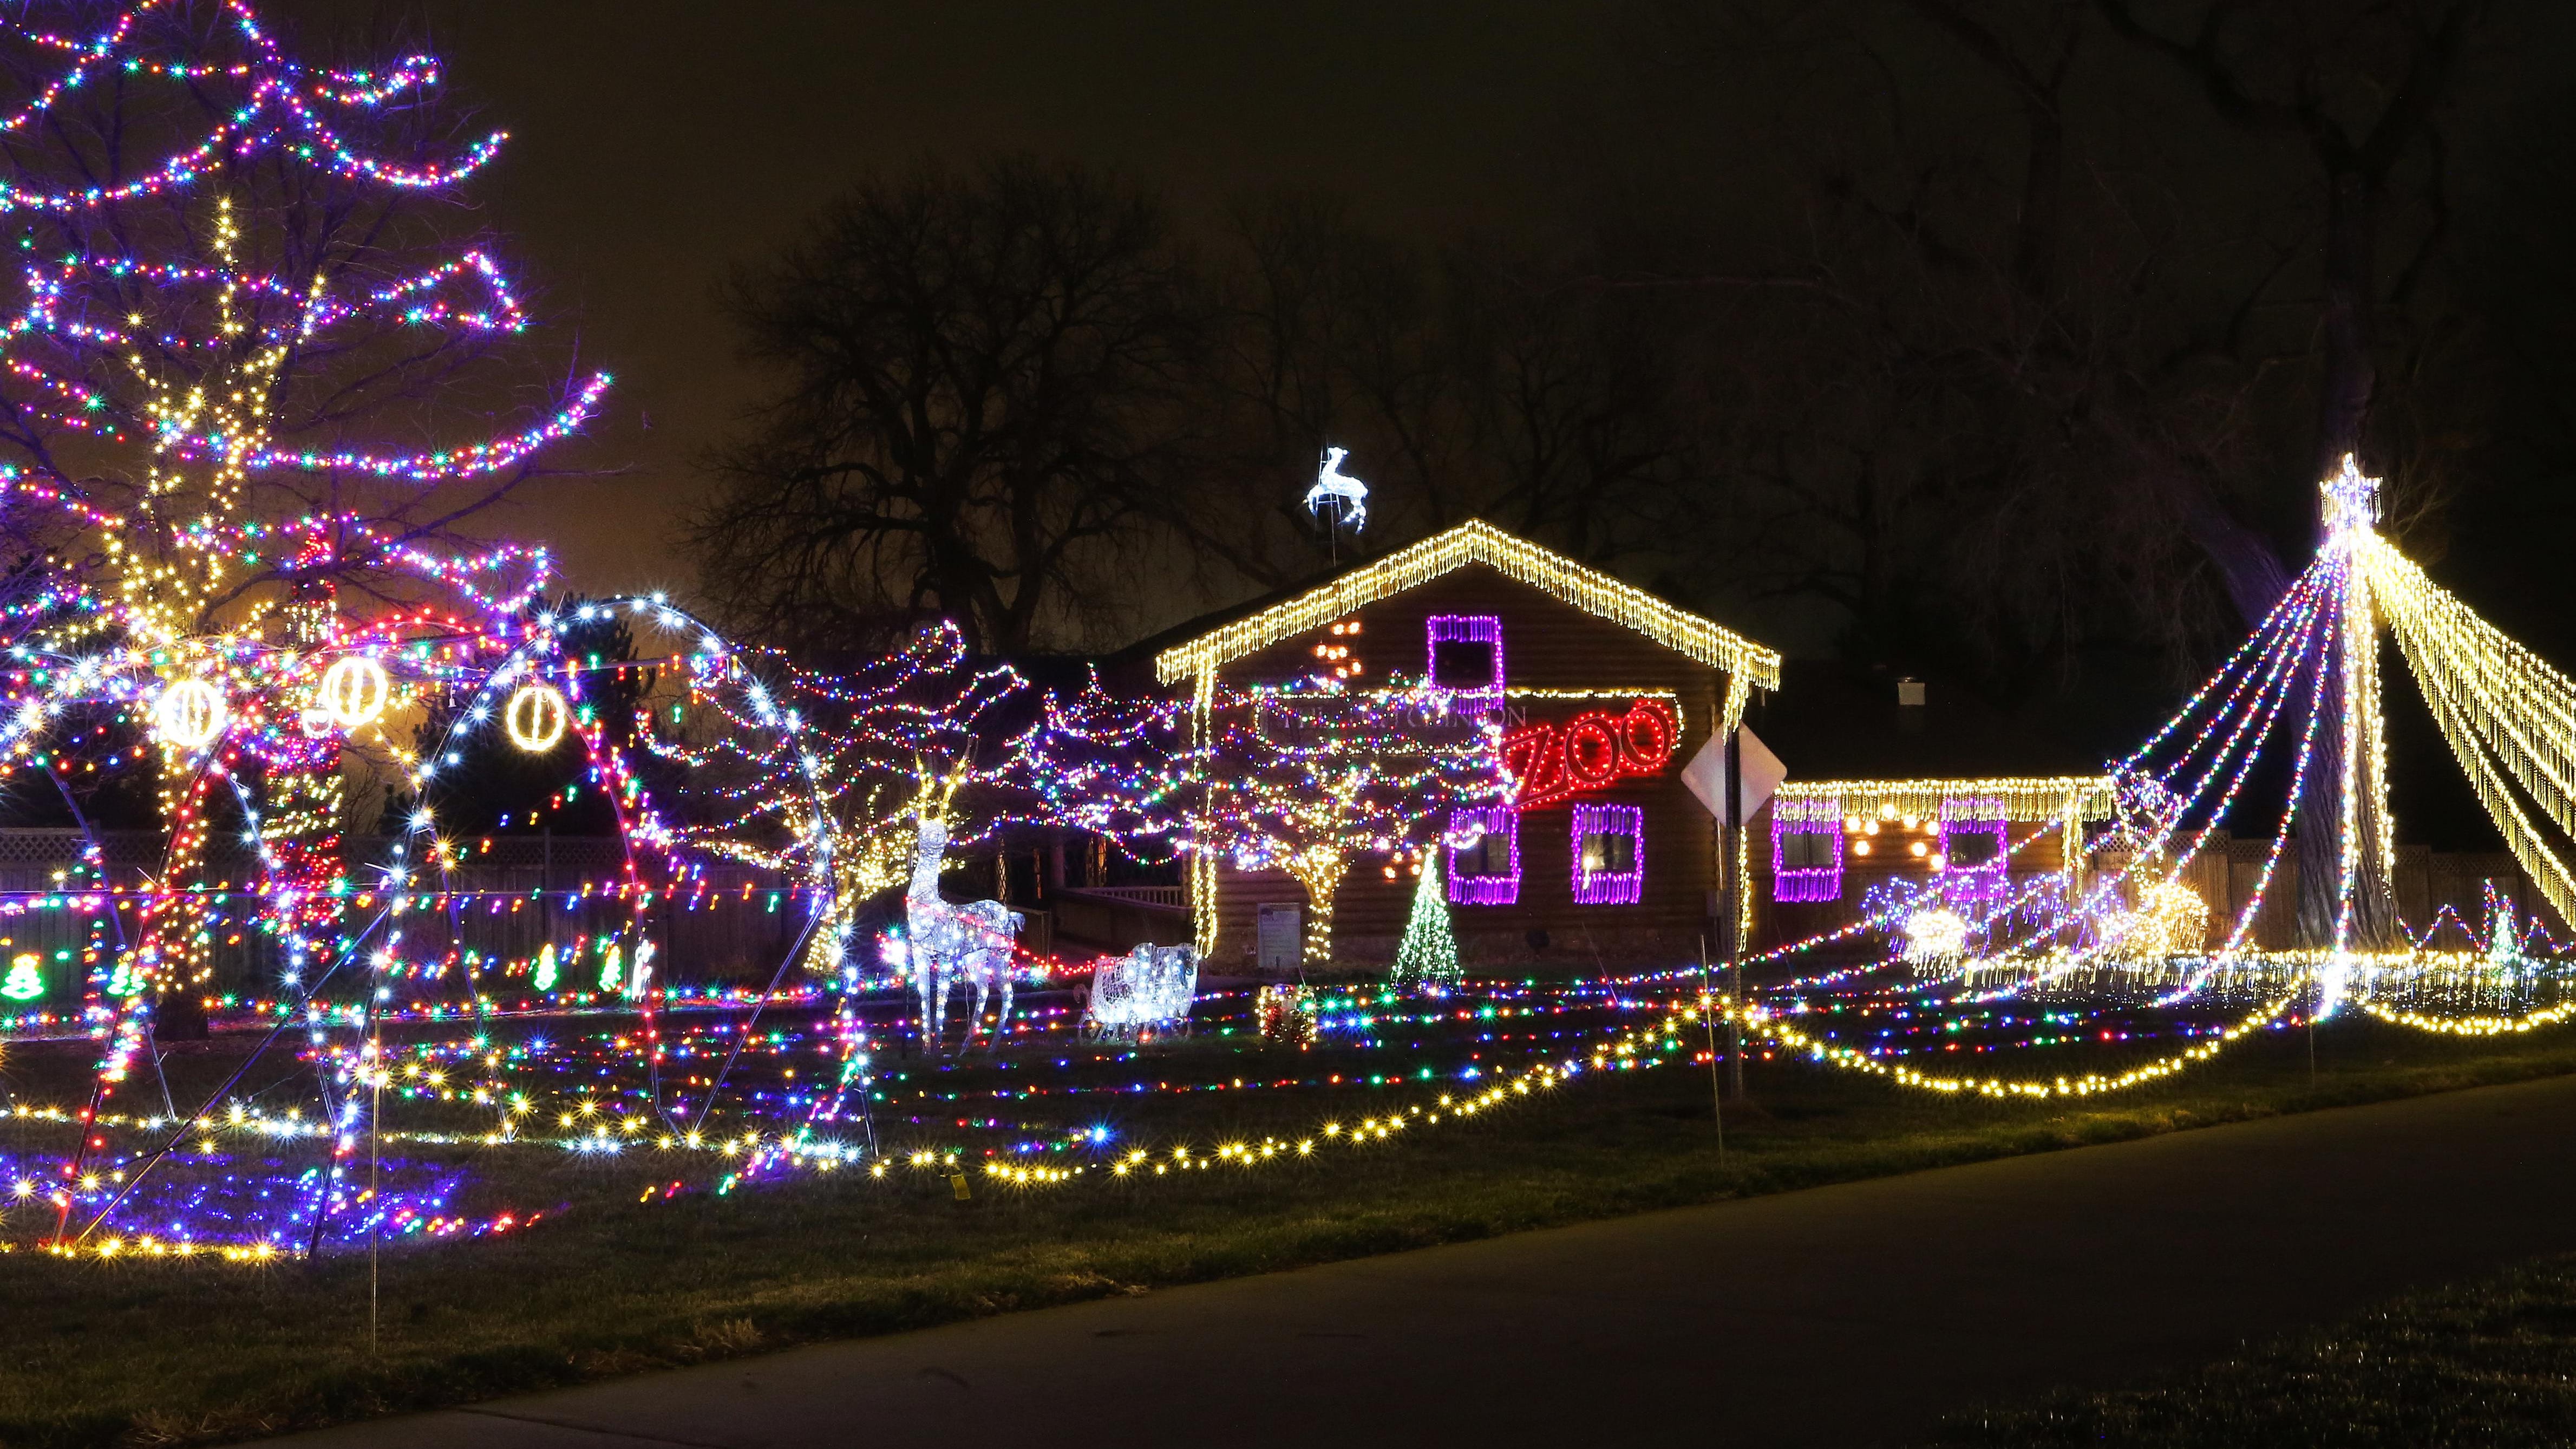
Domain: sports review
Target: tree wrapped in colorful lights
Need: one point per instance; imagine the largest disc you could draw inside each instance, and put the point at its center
(236, 281)
(894, 739)
(1302, 778)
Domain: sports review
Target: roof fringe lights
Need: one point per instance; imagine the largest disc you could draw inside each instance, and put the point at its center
(1477, 541)
(2507, 715)
(2024, 799)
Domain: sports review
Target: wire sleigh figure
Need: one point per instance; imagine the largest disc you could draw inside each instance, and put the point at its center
(1146, 992)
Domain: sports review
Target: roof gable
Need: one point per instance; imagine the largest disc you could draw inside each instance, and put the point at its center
(1477, 541)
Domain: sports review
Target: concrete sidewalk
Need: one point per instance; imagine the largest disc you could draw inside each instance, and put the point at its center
(1839, 1316)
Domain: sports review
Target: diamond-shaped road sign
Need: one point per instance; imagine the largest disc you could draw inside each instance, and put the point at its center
(1758, 773)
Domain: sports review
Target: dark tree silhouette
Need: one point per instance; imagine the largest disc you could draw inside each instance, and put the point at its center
(981, 387)
(2070, 305)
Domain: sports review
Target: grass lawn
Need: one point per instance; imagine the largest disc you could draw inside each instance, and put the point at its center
(126, 1351)
(2490, 1363)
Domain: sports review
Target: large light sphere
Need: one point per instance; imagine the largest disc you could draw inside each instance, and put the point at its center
(355, 691)
(189, 714)
(537, 717)
(1935, 934)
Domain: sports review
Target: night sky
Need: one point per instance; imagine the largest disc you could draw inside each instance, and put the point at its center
(653, 143)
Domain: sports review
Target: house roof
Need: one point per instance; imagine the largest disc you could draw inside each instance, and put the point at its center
(2015, 797)
(1475, 542)
(1850, 749)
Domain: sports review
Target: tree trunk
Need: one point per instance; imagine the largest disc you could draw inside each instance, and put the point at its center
(2255, 579)
(2374, 925)
(2350, 380)
(2320, 851)
(1321, 880)
(2351, 376)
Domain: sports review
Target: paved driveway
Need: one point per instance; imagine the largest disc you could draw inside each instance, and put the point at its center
(1838, 1316)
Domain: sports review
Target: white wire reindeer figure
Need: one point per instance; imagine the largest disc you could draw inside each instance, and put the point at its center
(1333, 486)
(952, 943)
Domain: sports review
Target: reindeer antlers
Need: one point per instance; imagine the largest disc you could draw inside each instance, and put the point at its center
(937, 789)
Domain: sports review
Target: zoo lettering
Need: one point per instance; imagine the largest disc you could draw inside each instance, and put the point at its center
(1554, 762)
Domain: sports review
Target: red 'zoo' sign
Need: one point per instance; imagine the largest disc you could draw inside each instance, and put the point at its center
(1553, 761)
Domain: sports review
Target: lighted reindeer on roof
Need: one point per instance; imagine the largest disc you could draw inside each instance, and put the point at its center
(1338, 493)
(949, 944)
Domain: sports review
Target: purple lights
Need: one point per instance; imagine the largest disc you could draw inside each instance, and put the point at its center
(226, 1201)
(1488, 871)
(1465, 657)
(1973, 848)
(1609, 854)
(1806, 850)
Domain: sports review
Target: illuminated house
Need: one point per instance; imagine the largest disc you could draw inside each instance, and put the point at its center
(1605, 693)
(1889, 794)
(1821, 847)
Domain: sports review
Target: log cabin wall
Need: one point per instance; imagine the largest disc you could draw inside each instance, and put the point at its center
(1547, 644)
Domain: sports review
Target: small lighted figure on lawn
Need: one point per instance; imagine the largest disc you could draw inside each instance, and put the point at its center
(1338, 496)
(1147, 990)
(951, 944)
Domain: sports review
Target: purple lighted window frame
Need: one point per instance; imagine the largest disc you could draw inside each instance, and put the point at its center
(1609, 887)
(1984, 880)
(1484, 698)
(1797, 883)
(1486, 890)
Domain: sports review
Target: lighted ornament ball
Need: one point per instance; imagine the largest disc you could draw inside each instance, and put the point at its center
(189, 714)
(355, 691)
(1936, 934)
(537, 717)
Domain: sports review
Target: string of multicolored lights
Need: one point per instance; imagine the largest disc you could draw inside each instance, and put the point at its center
(192, 628)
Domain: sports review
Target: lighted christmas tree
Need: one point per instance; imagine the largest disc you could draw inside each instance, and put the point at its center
(26, 979)
(1427, 959)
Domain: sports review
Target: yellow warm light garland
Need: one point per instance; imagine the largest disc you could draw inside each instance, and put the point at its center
(2025, 799)
(1477, 541)
(2090, 1084)
(2505, 712)
(2472, 1025)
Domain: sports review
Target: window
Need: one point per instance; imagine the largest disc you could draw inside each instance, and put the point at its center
(1462, 663)
(1485, 856)
(1807, 850)
(1974, 848)
(1609, 854)
(1465, 655)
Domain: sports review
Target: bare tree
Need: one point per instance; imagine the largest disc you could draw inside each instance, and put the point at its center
(982, 399)
(1469, 380)
(2026, 350)
(309, 230)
